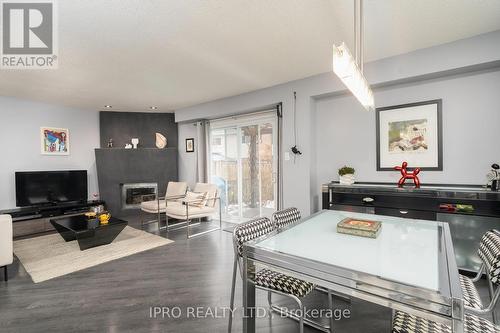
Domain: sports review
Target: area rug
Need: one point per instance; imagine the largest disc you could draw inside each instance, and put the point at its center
(48, 257)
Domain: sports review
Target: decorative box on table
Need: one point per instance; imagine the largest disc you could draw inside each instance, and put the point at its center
(359, 227)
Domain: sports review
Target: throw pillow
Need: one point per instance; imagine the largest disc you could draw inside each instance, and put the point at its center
(196, 199)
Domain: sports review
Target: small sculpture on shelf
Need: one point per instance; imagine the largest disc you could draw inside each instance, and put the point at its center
(110, 143)
(135, 142)
(161, 141)
(405, 174)
(494, 177)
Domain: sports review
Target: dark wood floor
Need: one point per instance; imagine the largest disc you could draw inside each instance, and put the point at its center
(117, 296)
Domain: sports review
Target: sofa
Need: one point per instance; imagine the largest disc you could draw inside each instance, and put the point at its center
(6, 244)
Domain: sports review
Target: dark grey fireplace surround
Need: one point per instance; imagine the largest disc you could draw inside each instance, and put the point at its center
(147, 164)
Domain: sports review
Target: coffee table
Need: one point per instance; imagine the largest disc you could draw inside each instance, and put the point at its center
(88, 233)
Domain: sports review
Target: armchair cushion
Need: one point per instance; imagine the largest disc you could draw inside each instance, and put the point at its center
(176, 189)
(152, 206)
(6, 250)
(211, 191)
(196, 199)
(178, 210)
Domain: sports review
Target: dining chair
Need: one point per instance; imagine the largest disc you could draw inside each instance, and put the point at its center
(489, 253)
(269, 280)
(403, 322)
(287, 216)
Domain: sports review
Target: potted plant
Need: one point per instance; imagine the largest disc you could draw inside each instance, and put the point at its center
(346, 175)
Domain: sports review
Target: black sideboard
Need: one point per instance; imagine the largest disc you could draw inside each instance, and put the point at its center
(29, 221)
(427, 203)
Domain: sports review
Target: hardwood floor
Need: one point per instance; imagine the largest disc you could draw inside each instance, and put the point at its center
(117, 296)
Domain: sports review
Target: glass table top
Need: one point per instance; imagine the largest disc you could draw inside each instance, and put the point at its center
(406, 250)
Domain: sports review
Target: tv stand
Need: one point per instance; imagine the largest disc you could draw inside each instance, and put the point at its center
(34, 220)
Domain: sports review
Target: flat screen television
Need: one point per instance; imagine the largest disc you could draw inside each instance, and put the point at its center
(36, 188)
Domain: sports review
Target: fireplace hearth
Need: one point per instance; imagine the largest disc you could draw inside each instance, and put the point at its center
(135, 193)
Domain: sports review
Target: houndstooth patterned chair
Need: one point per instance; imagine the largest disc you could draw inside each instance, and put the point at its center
(470, 293)
(489, 252)
(266, 279)
(287, 216)
(286, 284)
(403, 322)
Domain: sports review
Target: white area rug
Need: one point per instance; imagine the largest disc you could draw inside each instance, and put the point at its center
(47, 257)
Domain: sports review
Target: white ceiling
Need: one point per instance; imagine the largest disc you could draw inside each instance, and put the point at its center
(135, 53)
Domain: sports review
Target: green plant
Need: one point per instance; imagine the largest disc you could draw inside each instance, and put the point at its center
(345, 170)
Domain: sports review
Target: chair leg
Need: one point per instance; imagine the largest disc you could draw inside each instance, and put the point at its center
(330, 305)
(159, 222)
(301, 319)
(6, 275)
(491, 292)
(233, 287)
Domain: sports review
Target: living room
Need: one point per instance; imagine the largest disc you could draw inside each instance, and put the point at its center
(176, 167)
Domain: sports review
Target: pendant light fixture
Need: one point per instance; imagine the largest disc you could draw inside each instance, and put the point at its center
(349, 69)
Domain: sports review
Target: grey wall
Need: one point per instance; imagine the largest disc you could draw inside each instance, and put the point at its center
(471, 119)
(20, 137)
(187, 161)
(300, 179)
(120, 166)
(123, 126)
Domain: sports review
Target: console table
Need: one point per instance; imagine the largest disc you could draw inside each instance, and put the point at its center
(28, 221)
(428, 203)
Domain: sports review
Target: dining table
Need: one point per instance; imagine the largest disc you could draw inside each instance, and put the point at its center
(410, 266)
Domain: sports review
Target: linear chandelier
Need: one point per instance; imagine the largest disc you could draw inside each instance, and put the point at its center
(349, 69)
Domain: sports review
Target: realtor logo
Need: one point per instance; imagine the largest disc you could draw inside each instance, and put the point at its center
(28, 34)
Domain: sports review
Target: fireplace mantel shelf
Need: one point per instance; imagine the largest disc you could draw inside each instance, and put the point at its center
(132, 149)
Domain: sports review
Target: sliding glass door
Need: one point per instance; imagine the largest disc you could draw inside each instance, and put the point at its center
(243, 164)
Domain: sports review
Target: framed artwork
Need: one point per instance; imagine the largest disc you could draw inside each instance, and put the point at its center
(411, 133)
(54, 141)
(190, 145)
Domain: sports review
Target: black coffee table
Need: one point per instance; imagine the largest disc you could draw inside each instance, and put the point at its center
(88, 233)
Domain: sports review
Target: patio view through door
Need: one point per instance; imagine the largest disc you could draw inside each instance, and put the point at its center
(243, 164)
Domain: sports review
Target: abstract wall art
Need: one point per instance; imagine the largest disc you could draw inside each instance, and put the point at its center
(412, 133)
(54, 141)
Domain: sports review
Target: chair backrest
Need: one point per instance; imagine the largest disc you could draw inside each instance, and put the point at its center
(287, 216)
(6, 256)
(175, 189)
(211, 189)
(249, 231)
(489, 252)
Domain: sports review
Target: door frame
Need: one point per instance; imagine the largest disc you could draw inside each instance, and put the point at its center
(267, 115)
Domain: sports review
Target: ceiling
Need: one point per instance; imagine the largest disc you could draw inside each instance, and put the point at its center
(133, 54)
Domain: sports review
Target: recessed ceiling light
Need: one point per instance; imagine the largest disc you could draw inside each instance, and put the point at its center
(108, 106)
(153, 107)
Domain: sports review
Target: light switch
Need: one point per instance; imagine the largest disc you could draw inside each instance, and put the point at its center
(287, 156)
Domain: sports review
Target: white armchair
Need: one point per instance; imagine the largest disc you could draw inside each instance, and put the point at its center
(188, 209)
(175, 191)
(6, 256)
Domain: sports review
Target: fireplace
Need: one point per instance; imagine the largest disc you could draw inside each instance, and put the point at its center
(135, 193)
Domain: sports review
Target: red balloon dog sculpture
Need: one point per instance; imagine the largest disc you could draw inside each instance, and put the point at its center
(405, 174)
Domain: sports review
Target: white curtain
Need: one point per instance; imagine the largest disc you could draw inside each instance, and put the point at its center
(201, 151)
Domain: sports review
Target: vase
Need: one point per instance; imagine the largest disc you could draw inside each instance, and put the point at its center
(347, 179)
(161, 141)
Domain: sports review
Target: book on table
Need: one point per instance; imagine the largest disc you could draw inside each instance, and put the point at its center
(359, 227)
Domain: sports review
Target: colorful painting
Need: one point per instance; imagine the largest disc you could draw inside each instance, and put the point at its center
(408, 136)
(54, 141)
(410, 133)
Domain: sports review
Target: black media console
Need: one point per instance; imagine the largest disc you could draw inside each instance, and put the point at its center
(36, 219)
